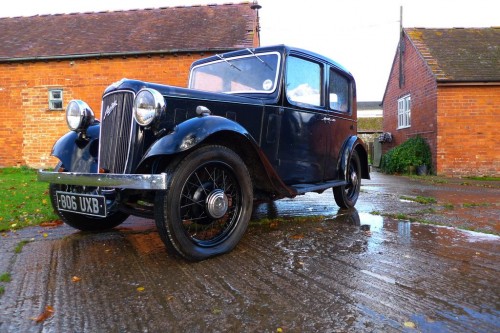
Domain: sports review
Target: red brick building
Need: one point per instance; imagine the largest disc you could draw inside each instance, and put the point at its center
(45, 61)
(444, 85)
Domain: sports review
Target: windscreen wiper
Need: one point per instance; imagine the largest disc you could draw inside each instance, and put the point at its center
(230, 64)
(260, 59)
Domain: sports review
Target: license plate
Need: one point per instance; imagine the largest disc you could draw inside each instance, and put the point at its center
(94, 205)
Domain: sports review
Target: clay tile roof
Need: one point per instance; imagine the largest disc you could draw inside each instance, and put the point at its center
(174, 29)
(459, 54)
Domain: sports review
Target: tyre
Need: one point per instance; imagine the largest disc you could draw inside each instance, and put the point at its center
(347, 195)
(208, 204)
(84, 222)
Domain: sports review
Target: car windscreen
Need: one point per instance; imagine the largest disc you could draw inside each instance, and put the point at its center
(253, 73)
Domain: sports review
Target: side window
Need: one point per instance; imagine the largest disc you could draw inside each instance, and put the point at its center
(339, 92)
(303, 82)
(404, 112)
(55, 99)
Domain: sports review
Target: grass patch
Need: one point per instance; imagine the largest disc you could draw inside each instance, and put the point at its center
(420, 199)
(485, 178)
(2, 290)
(449, 206)
(5, 277)
(474, 204)
(23, 200)
(294, 219)
(20, 245)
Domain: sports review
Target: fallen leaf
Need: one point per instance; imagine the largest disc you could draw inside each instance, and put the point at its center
(140, 289)
(170, 297)
(410, 324)
(53, 223)
(273, 225)
(76, 279)
(216, 311)
(298, 236)
(279, 330)
(45, 235)
(49, 312)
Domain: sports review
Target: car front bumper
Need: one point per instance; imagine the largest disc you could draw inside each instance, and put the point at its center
(111, 180)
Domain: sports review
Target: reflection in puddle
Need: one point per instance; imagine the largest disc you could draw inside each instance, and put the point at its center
(371, 222)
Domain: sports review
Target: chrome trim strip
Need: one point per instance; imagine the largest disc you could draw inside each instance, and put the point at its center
(130, 181)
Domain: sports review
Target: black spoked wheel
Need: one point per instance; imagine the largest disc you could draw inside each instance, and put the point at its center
(208, 205)
(347, 195)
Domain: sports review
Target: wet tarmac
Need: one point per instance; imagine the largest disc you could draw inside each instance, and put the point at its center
(327, 271)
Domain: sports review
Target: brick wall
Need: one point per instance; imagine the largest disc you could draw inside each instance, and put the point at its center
(419, 82)
(28, 129)
(468, 139)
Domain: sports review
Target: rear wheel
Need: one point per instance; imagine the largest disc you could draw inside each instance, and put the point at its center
(347, 195)
(206, 209)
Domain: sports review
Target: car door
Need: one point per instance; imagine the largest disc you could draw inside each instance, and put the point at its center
(341, 117)
(304, 133)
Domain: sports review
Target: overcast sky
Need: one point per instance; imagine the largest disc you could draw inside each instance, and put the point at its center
(362, 35)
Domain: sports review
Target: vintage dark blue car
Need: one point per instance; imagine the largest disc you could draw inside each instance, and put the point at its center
(254, 124)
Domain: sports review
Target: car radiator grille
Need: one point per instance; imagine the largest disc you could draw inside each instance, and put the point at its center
(116, 132)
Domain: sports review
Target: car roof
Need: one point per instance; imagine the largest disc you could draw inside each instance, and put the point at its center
(281, 48)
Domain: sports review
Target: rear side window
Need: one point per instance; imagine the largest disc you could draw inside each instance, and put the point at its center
(303, 82)
(339, 92)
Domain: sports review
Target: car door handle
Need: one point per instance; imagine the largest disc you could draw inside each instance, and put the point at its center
(328, 120)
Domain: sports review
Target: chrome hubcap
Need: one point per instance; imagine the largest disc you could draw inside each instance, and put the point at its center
(217, 204)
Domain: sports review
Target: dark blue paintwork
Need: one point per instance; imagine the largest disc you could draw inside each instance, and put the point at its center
(294, 144)
(76, 153)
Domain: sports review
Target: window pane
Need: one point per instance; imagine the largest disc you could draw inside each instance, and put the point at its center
(303, 82)
(55, 99)
(339, 92)
(56, 104)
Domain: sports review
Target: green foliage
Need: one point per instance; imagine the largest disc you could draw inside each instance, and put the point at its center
(23, 200)
(420, 199)
(5, 277)
(485, 178)
(20, 245)
(413, 152)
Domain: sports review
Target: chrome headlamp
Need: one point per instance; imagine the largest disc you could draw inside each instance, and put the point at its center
(79, 115)
(148, 106)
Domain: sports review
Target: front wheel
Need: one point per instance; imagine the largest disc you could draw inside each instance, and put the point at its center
(206, 209)
(84, 222)
(347, 195)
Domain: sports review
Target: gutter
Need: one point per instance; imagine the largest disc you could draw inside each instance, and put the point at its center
(468, 83)
(113, 54)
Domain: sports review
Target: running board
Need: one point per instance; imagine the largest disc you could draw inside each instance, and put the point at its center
(318, 187)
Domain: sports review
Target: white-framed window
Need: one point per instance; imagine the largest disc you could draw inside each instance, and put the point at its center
(55, 99)
(404, 112)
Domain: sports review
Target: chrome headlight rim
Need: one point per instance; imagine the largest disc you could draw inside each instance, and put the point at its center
(149, 104)
(79, 115)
